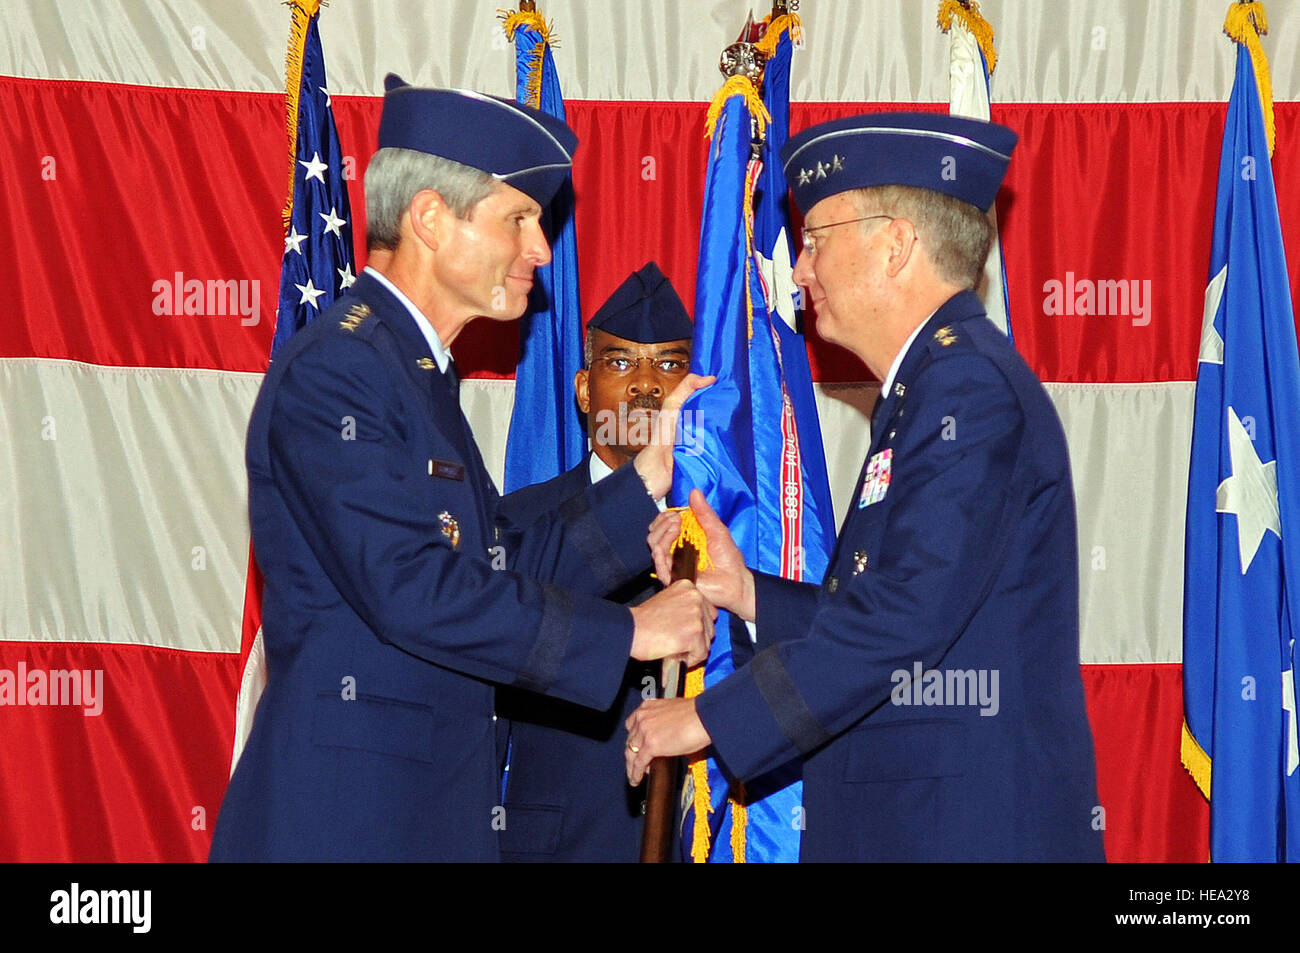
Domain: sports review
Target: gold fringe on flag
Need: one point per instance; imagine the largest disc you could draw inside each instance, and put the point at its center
(514, 20)
(1196, 761)
(739, 825)
(699, 768)
(970, 17)
(737, 86)
(786, 23)
(1244, 24)
(302, 12)
(693, 533)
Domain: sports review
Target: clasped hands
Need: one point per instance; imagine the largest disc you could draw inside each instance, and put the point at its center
(670, 727)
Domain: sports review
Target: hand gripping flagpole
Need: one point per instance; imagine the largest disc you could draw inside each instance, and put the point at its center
(663, 781)
(742, 64)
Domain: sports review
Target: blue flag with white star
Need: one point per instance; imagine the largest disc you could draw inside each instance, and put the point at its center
(546, 436)
(1243, 513)
(318, 263)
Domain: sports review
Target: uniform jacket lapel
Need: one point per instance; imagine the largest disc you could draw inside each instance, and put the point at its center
(417, 364)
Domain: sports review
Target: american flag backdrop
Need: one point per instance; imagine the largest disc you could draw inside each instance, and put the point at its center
(146, 171)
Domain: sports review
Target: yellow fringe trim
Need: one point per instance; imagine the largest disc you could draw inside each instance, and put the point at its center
(692, 532)
(750, 175)
(1196, 761)
(513, 21)
(739, 823)
(786, 23)
(971, 18)
(1244, 24)
(302, 12)
(699, 769)
(737, 86)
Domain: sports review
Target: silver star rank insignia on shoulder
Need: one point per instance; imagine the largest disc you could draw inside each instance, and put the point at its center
(450, 528)
(945, 336)
(356, 314)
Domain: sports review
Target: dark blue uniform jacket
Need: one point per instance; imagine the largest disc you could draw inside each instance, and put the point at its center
(958, 555)
(389, 613)
(567, 798)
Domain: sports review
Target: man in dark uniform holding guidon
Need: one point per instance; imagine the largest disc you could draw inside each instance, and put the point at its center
(957, 560)
(566, 796)
(397, 596)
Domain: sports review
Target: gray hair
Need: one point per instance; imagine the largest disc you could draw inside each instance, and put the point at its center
(393, 178)
(956, 234)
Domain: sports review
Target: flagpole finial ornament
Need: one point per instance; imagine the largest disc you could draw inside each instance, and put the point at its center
(742, 59)
(527, 6)
(515, 144)
(1245, 24)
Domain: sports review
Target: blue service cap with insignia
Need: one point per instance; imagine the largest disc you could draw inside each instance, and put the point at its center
(964, 158)
(518, 145)
(645, 309)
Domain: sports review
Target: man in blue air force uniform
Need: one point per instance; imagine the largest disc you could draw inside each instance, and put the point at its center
(566, 795)
(931, 682)
(397, 597)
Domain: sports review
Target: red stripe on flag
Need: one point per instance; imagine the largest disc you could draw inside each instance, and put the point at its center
(140, 781)
(1153, 810)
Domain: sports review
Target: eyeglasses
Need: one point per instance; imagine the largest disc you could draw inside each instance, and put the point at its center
(810, 244)
(619, 365)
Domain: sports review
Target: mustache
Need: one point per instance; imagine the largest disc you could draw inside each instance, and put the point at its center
(645, 402)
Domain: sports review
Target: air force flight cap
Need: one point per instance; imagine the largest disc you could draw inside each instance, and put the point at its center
(645, 309)
(964, 158)
(515, 144)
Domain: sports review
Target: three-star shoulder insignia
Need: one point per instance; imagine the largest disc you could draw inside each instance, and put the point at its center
(945, 336)
(426, 363)
(356, 314)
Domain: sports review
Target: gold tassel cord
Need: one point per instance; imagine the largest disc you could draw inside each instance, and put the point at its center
(699, 768)
(737, 86)
(739, 825)
(786, 23)
(515, 20)
(302, 12)
(971, 18)
(1196, 761)
(693, 533)
(1245, 23)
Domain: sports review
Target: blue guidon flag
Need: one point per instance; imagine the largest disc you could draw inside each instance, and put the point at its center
(546, 436)
(318, 263)
(751, 441)
(1242, 582)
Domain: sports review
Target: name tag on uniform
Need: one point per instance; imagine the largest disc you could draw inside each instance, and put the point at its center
(876, 483)
(446, 470)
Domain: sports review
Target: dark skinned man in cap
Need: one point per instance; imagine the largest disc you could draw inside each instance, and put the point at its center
(396, 595)
(566, 796)
(931, 682)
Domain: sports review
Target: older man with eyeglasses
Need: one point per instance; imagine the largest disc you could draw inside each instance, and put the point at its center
(931, 683)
